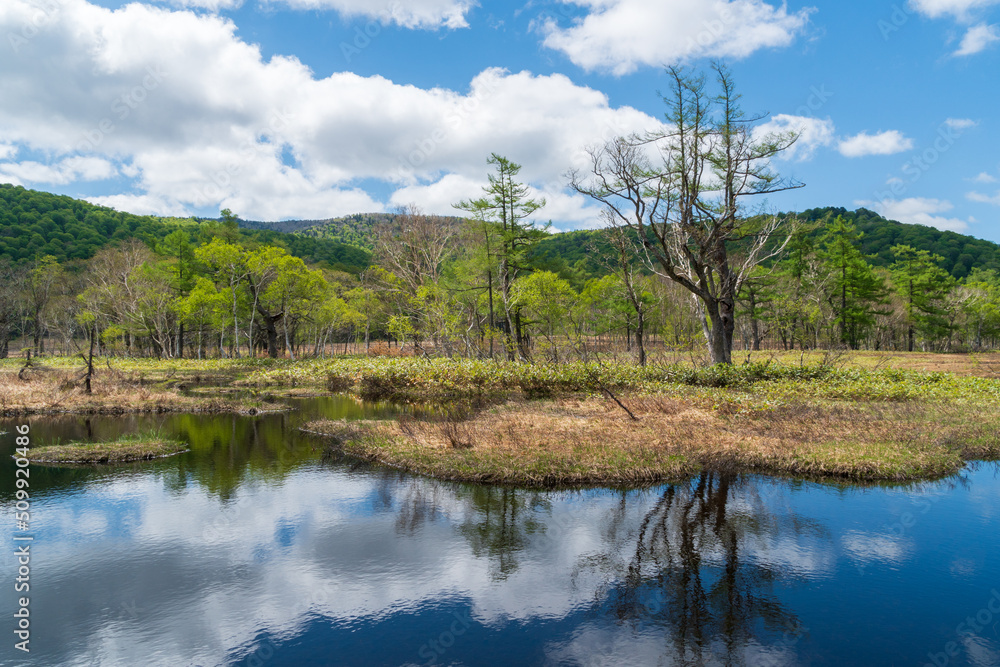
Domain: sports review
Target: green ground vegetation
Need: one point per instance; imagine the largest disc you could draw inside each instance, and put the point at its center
(127, 449)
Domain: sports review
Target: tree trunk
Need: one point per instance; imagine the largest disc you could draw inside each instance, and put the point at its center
(236, 327)
(90, 359)
(720, 343)
(288, 342)
(37, 334)
(509, 330)
(522, 344)
(272, 334)
(489, 277)
(639, 343)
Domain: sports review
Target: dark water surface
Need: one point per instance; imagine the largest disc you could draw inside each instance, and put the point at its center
(255, 549)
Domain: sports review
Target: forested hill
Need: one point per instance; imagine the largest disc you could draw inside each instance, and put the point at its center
(961, 253)
(36, 223)
(355, 230)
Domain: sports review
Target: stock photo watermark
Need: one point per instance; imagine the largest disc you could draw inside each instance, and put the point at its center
(900, 16)
(248, 152)
(428, 146)
(22, 539)
(972, 625)
(363, 35)
(905, 522)
(122, 108)
(948, 134)
(46, 12)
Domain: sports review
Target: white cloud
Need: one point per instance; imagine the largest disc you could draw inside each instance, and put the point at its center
(140, 204)
(621, 35)
(978, 38)
(405, 13)
(883, 143)
(961, 124)
(959, 9)
(212, 5)
(985, 178)
(867, 547)
(176, 101)
(7, 151)
(984, 199)
(918, 211)
(813, 133)
(68, 170)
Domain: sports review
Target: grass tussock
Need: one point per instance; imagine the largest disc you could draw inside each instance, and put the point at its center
(591, 440)
(127, 449)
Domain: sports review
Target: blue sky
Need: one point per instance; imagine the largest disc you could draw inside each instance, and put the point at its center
(284, 109)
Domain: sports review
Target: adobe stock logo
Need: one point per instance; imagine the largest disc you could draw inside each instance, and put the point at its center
(972, 625)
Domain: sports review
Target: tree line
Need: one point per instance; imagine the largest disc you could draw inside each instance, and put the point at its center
(449, 286)
(685, 262)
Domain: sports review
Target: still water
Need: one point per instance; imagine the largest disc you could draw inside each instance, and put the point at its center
(255, 548)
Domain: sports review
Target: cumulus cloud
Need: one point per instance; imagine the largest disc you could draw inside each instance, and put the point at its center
(813, 133)
(985, 178)
(918, 211)
(959, 9)
(883, 143)
(622, 35)
(978, 38)
(960, 124)
(68, 170)
(140, 204)
(200, 120)
(405, 13)
(212, 5)
(984, 199)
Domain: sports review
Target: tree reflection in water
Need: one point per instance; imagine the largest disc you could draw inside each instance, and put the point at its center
(690, 580)
(501, 523)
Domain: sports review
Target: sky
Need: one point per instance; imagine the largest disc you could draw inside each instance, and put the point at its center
(311, 109)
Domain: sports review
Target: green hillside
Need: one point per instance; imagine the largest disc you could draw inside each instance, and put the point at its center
(355, 230)
(961, 253)
(36, 223)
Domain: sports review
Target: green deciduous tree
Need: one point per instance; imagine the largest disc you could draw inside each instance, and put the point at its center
(508, 207)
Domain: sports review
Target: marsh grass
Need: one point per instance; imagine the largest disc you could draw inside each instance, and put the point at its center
(113, 392)
(127, 449)
(588, 440)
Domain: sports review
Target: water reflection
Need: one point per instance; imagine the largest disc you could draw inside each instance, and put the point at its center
(258, 548)
(692, 579)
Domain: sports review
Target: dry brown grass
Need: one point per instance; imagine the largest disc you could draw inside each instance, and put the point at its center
(978, 364)
(591, 440)
(55, 390)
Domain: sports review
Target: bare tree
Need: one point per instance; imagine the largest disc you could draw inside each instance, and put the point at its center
(623, 263)
(413, 246)
(687, 210)
(114, 292)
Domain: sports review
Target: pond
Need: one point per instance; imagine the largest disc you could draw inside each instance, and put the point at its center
(255, 548)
